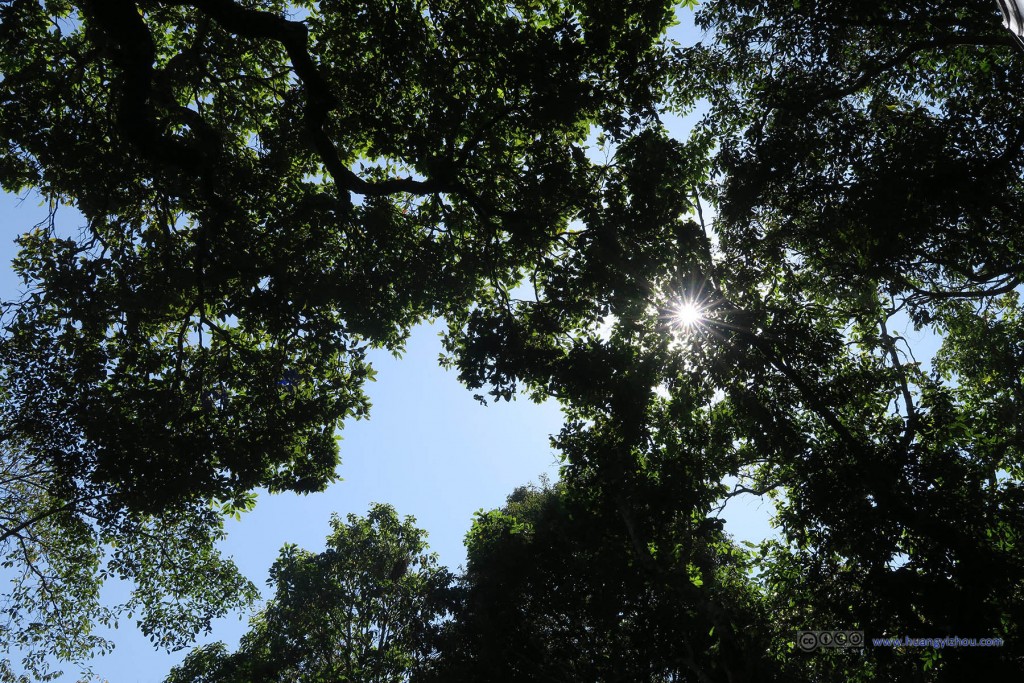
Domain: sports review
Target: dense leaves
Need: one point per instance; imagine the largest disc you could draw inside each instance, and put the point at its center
(361, 610)
(553, 591)
(56, 555)
(204, 332)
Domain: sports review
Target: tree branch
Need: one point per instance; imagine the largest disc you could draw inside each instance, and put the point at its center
(320, 100)
(134, 52)
(16, 530)
(872, 71)
(908, 398)
(1005, 288)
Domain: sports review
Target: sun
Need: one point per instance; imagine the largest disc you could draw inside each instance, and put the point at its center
(687, 314)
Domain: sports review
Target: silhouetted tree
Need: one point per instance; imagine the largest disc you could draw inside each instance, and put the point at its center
(339, 615)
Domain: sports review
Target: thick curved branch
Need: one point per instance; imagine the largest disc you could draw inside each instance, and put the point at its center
(15, 531)
(807, 392)
(1004, 288)
(810, 396)
(910, 430)
(320, 100)
(134, 52)
(871, 71)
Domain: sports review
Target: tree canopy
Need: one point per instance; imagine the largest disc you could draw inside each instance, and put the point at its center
(359, 611)
(267, 190)
(553, 591)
